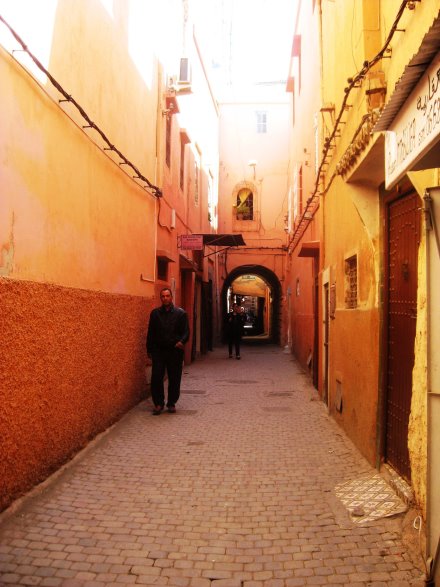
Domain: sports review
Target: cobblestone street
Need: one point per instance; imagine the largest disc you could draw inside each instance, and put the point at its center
(235, 490)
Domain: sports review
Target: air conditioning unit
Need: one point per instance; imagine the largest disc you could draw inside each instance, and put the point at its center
(184, 71)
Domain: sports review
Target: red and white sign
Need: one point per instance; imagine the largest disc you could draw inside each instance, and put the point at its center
(191, 242)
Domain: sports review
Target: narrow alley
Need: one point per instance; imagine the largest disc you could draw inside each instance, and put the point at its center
(250, 484)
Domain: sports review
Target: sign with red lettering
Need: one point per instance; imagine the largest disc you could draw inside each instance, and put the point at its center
(191, 242)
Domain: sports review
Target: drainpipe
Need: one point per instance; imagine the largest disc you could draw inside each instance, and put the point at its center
(432, 240)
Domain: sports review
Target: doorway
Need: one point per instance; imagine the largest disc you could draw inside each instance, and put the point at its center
(402, 243)
(258, 291)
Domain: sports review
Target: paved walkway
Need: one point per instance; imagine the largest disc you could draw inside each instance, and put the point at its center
(235, 490)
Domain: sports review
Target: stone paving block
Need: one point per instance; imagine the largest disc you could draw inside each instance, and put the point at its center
(238, 490)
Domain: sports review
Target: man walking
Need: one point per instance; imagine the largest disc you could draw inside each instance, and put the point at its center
(168, 331)
(234, 327)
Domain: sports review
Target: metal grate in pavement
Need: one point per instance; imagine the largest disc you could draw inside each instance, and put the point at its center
(236, 381)
(193, 391)
(277, 409)
(279, 394)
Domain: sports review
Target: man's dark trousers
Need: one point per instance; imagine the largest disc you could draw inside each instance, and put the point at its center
(171, 362)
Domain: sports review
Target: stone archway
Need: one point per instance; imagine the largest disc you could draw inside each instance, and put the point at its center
(273, 284)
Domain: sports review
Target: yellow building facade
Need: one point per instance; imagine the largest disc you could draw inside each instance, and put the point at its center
(374, 193)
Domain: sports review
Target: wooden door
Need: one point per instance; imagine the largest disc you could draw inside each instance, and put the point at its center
(403, 236)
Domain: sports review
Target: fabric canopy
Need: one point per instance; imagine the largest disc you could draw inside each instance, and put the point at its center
(223, 240)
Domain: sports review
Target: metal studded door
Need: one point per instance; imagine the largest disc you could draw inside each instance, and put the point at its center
(403, 235)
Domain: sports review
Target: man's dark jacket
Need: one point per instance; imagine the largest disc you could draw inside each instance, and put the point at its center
(166, 328)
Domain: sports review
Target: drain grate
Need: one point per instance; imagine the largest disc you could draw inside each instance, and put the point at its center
(193, 391)
(278, 409)
(185, 412)
(239, 381)
(280, 394)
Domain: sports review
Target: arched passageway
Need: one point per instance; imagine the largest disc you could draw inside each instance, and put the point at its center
(258, 290)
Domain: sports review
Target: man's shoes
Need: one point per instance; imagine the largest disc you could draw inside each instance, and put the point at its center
(230, 356)
(238, 357)
(171, 409)
(157, 410)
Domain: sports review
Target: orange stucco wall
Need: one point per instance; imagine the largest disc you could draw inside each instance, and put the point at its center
(355, 362)
(69, 214)
(76, 235)
(73, 361)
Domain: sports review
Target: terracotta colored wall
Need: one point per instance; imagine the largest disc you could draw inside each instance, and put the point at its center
(73, 361)
(304, 149)
(78, 234)
(69, 214)
(302, 310)
(354, 332)
(354, 367)
(240, 143)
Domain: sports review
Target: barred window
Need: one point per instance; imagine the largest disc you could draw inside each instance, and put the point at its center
(351, 282)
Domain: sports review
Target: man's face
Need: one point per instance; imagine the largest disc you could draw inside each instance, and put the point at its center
(166, 298)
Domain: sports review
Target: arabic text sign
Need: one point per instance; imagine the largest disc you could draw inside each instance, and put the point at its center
(416, 128)
(191, 242)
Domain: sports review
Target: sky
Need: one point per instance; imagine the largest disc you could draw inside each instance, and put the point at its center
(249, 41)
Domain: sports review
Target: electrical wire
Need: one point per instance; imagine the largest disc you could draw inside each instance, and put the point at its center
(312, 203)
(90, 124)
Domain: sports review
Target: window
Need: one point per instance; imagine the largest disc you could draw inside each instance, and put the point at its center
(261, 121)
(162, 269)
(245, 204)
(351, 282)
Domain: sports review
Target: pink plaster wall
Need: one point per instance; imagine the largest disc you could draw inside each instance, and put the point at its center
(73, 361)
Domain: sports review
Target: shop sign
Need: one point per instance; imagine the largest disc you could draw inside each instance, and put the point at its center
(191, 242)
(416, 128)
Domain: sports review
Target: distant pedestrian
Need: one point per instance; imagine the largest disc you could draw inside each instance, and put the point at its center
(168, 331)
(234, 329)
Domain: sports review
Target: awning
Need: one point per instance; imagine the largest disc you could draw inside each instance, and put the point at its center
(309, 249)
(223, 240)
(164, 255)
(187, 264)
(411, 75)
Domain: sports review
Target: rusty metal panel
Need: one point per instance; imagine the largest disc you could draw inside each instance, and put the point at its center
(403, 241)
